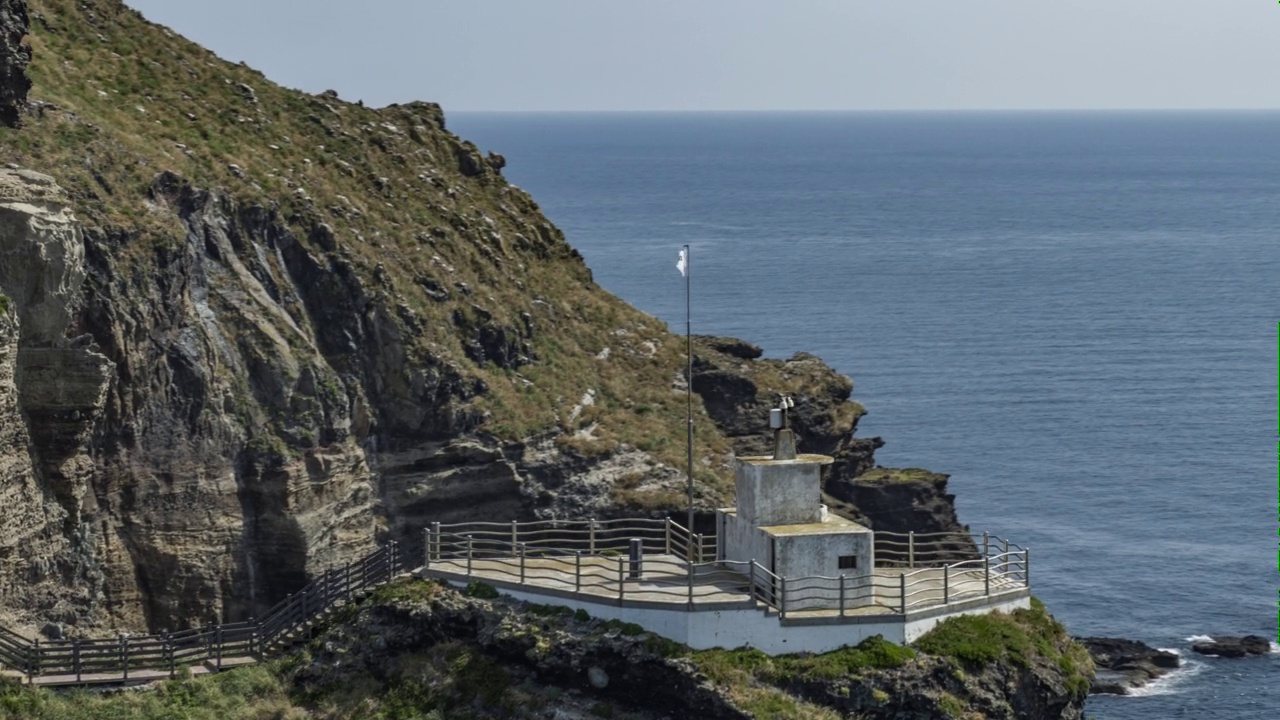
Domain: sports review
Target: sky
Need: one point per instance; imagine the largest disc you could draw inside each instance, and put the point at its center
(688, 55)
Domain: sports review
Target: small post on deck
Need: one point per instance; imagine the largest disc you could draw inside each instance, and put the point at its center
(515, 533)
(577, 571)
(435, 533)
(426, 548)
(218, 635)
(520, 550)
(124, 656)
(902, 589)
(75, 657)
(1026, 566)
(591, 535)
(911, 549)
(168, 653)
(635, 554)
(698, 539)
(782, 600)
(33, 663)
(622, 579)
(946, 584)
(470, 547)
(666, 531)
(1004, 559)
(986, 576)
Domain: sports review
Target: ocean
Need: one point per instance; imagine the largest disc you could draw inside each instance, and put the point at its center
(1073, 314)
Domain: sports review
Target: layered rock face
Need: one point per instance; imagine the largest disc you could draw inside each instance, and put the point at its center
(51, 390)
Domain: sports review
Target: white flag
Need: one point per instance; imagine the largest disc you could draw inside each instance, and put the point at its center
(683, 264)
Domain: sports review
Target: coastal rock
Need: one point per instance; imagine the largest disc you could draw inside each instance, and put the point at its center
(1123, 665)
(14, 58)
(1233, 647)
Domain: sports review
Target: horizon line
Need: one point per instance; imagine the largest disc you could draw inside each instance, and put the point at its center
(710, 111)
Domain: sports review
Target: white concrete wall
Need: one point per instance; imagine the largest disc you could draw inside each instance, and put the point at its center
(807, 556)
(705, 629)
(779, 492)
(743, 543)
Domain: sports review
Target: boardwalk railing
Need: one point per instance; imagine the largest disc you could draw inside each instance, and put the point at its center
(151, 657)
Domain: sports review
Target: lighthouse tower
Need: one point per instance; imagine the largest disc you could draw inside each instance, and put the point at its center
(781, 523)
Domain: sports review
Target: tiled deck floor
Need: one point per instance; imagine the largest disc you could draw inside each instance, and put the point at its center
(665, 580)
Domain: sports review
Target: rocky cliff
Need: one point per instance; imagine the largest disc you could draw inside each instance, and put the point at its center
(247, 332)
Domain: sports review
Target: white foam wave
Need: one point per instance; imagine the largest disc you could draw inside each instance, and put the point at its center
(1199, 638)
(1275, 648)
(1175, 651)
(1168, 684)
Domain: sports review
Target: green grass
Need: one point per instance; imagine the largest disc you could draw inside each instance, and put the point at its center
(4, 303)
(874, 653)
(1018, 637)
(251, 693)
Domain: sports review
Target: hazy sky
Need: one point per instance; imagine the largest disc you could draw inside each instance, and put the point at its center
(753, 54)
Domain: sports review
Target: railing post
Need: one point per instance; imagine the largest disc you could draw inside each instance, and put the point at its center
(911, 549)
(751, 582)
(577, 571)
(520, 549)
(986, 544)
(782, 601)
(33, 663)
(841, 581)
(515, 534)
(435, 533)
(218, 636)
(591, 535)
(168, 653)
(426, 548)
(304, 607)
(124, 656)
(986, 575)
(75, 657)
(697, 537)
(946, 584)
(470, 551)
(902, 589)
(666, 532)
(1004, 563)
(1026, 566)
(622, 579)
(254, 648)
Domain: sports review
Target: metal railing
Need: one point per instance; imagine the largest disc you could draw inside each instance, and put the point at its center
(557, 537)
(591, 560)
(126, 657)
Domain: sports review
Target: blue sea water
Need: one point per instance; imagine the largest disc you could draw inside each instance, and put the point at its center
(1073, 314)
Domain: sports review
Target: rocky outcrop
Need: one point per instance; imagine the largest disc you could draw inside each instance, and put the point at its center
(449, 651)
(462, 652)
(1233, 647)
(51, 390)
(14, 57)
(1124, 665)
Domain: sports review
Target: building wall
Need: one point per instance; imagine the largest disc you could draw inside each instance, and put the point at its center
(703, 630)
(810, 556)
(779, 493)
(743, 542)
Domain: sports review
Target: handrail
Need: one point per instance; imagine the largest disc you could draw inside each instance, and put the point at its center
(111, 660)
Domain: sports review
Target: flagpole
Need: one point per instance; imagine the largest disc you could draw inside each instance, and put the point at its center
(688, 343)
